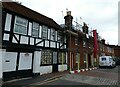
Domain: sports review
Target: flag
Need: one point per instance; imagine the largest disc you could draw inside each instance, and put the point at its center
(95, 43)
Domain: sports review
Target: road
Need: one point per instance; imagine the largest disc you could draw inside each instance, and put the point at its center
(101, 76)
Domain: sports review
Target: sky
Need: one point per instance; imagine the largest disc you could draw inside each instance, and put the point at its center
(98, 14)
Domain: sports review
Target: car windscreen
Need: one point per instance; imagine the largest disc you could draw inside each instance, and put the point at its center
(103, 59)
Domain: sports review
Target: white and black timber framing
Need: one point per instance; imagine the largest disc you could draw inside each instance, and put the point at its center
(23, 50)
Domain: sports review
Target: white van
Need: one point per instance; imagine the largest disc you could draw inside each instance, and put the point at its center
(106, 61)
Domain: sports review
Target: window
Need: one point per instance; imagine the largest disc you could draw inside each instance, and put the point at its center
(103, 59)
(84, 44)
(20, 25)
(53, 34)
(77, 56)
(60, 39)
(46, 57)
(44, 32)
(76, 41)
(61, 57)
(35, 29)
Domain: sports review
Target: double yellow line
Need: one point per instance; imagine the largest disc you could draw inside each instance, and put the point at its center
(46, 81)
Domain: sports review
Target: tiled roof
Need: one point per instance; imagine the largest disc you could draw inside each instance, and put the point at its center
(22, 10)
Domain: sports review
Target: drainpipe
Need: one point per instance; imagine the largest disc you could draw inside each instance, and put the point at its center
(62, 61)
(79, 62)
(86, 60)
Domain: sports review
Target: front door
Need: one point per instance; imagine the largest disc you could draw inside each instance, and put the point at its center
(89, 60)
(55, 64)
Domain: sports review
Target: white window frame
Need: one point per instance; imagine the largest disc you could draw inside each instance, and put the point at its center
(59, 37)
(35, 28)
(44, 32)
(53, 34)
(24, 25)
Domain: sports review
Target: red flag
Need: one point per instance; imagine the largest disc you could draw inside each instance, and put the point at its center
(95, 43)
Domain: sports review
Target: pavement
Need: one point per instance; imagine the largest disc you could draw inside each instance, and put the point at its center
(27, 82)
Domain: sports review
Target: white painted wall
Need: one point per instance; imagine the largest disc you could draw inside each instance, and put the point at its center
(11, 65)
(62, 67)
(49, 34)
(30, 28)
(31, 41)
(24, 40)
(46, 43)
(60, 46)
(52, 44)
(2, 55)
(6, 37)
(57, 45)
(14, 40)
(41, 44)
(8, 22)
(40, 31)
(38, 40)
(45, 69)
(25, 61)
(37, 61)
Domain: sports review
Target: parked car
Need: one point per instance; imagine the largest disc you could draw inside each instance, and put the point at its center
(106, 61)
(117, 60)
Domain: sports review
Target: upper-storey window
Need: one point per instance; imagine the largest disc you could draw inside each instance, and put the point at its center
(20, 25)
(53, 35)
(76, 41)
(60, 37)
(44, 32)
(35, 29)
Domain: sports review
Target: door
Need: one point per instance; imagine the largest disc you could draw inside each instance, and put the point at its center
(89, 60)
(55, 64)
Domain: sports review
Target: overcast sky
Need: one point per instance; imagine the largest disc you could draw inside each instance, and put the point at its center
(99, 14)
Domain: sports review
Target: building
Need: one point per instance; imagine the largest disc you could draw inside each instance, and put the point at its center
(116, 55)
(79, 45)
(32, 44)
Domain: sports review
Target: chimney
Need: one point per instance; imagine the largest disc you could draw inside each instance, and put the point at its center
(85, 28)
(103, 41)
(68, 20)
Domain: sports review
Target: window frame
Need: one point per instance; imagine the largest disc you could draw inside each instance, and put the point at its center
(44, 32)
(53, 34)
(35, 28)
(45, 54)
(20, 25)
(60, 57)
